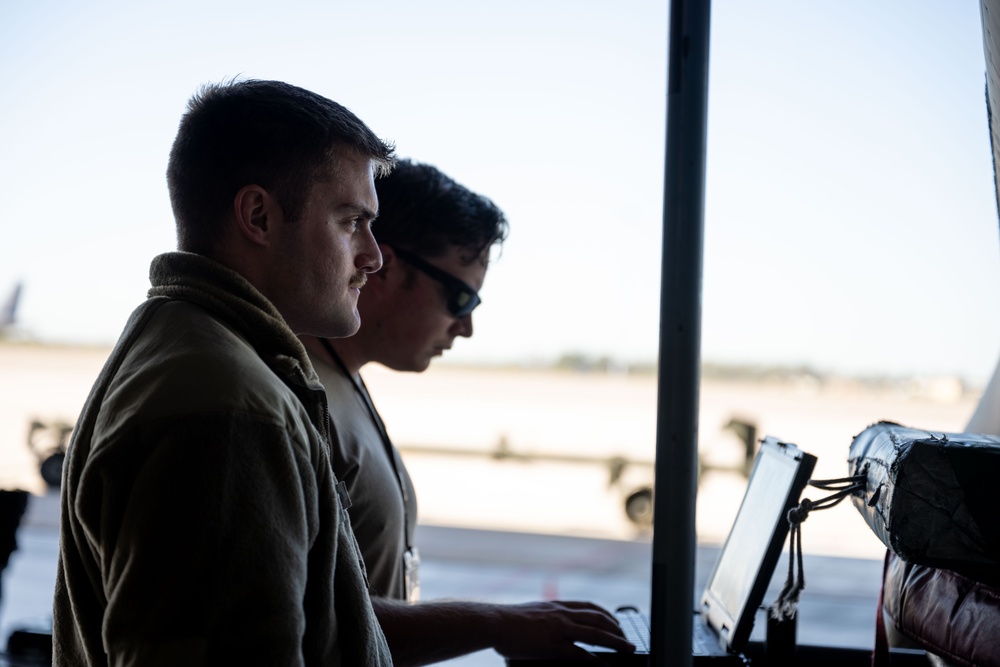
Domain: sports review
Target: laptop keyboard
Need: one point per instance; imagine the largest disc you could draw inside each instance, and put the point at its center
(700, 644)
(636, 627)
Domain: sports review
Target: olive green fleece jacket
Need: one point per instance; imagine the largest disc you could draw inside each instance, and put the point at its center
(200, 519)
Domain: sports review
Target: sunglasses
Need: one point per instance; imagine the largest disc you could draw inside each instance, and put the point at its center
(462, 299)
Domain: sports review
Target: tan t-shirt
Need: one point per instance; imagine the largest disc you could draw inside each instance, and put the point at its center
(383, 505)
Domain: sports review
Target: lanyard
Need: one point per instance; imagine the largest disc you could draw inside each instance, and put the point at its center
(362, 391)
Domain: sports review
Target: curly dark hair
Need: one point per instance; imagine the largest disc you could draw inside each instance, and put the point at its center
(268, 133)
(424, 211)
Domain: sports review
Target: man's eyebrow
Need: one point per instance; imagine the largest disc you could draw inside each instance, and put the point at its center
(360, 211)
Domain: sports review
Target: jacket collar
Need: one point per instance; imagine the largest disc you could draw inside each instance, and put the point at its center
(198, 279)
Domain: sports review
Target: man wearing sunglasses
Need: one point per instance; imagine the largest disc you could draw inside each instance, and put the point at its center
(435, 236)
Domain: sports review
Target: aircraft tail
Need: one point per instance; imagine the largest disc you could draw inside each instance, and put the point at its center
(8, 311)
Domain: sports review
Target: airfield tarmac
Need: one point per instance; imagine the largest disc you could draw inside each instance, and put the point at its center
(517, 529)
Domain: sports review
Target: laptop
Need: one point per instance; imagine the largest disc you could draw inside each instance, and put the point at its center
(735, 589)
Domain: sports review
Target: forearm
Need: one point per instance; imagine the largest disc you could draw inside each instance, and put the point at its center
(431, 632)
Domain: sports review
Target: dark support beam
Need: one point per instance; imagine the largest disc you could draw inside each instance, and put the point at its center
(674, 538)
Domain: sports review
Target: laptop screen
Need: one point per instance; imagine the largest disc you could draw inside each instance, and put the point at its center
(746, 564)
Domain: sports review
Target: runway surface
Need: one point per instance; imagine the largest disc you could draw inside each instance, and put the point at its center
(837, 608)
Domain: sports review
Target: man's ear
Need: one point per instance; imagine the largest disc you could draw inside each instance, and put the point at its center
(257, 212)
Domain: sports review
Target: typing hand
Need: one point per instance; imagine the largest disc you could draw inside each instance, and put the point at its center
(557, 630)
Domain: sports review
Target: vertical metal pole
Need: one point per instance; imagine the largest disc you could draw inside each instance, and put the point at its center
(676, 484)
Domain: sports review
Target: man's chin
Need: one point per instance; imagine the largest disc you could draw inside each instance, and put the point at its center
(418, 365)
(422, 365)
(342, 327)
(354, 323)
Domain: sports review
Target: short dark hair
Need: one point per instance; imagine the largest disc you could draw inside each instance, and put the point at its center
(425, 211)
(267, 133)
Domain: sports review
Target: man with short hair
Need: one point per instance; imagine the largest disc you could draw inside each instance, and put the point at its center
(435, 237)
(200, 522)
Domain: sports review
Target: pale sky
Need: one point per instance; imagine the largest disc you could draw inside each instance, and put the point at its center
(850, 215)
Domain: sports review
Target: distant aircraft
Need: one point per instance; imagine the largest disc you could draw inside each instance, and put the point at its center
(638, 499)
(8, 312)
